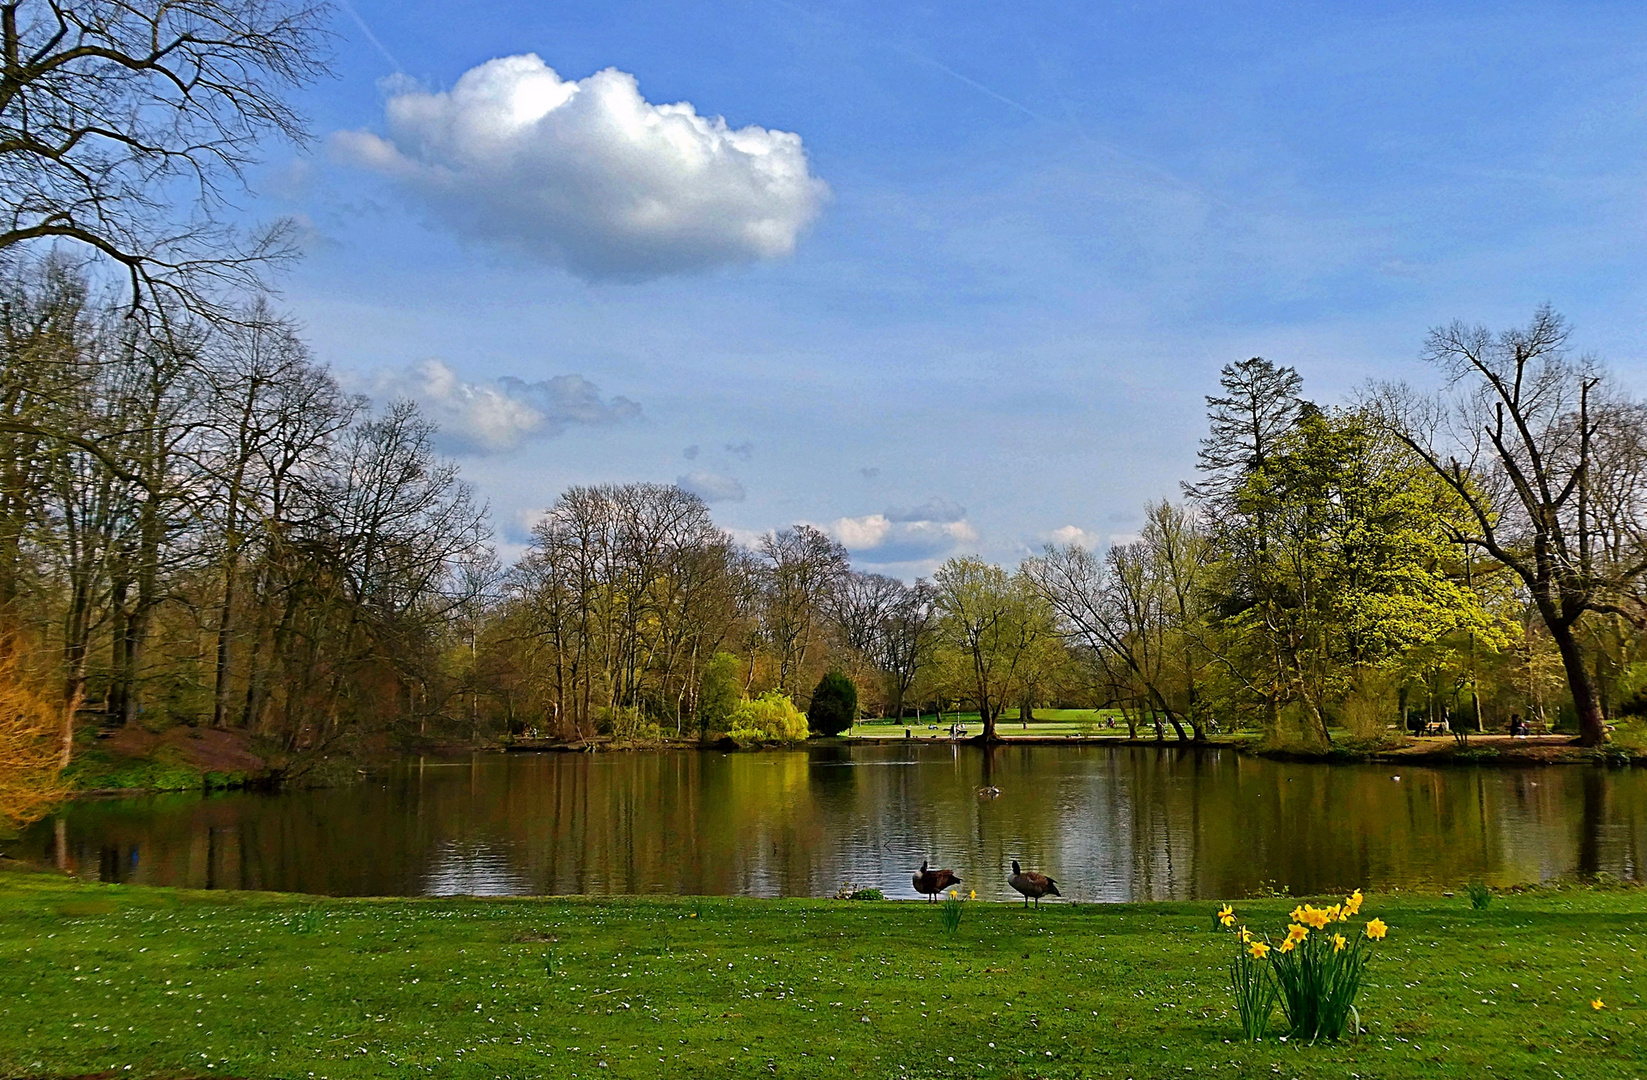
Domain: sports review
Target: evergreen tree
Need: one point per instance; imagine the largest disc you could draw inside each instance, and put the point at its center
(834, 705)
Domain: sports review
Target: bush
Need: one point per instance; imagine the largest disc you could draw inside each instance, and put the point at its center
(1480, 895)
(770, 718)
(834, 705)
(718, 692)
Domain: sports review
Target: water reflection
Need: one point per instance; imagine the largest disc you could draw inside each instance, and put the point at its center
(1111, 824)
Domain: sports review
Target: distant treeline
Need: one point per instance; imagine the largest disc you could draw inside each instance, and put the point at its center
(201, 527)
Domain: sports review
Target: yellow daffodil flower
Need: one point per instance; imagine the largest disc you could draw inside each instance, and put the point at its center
(1598, 1004)
(1298, 913)
(1352, 903)
(1260, 950)
(974, 894)
(1338, 943)
(1376, 929)
(1246, 935)
(1296, 933)
(1288, 945)
(953, 895)
(1225, 912)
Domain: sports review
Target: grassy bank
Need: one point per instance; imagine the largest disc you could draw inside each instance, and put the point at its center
(173, 983)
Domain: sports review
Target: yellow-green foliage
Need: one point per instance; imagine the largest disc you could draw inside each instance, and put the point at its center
(770, 718)
(29, 781)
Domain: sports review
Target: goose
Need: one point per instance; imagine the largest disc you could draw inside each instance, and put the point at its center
(933, 882)
(1032, 884)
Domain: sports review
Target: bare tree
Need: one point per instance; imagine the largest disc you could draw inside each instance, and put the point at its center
(124, 124)
(803, 567)
(1530, 441)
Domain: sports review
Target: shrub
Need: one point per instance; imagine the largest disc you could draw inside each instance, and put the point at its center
(1315, 972)
(718, 692)
(770, 718)
(1480, 895)
(834, 705)
(29, 733)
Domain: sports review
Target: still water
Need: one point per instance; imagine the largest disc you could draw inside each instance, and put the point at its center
(1122, 823)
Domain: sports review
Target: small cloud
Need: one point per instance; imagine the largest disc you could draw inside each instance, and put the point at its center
(690, 453)
(711, 487)
(744, 450)
(588, 174)
(932, 510)
(1074, 534)
(869, 473)
(884, 539)
(497, 416)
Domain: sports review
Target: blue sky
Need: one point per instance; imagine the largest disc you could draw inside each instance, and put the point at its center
(980, 302)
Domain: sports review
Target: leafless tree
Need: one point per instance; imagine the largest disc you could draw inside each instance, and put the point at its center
(126, 124)
(1546, 460)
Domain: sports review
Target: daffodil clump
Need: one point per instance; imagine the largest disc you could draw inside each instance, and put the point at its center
(1314, 971)
(950, 913)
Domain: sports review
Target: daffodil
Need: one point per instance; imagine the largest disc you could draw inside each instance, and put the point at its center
(1376, 929)
(1296, 933)
(1227, 920)
(1246, 935)
(1598, 1004)
(1298, 913)
(1260, 949)
(974, 894)
(1352, 903)
(953, 895)
(1288, 945)
(1225, 912)
(1338, 943)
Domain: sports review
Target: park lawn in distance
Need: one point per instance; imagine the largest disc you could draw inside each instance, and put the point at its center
(177, 983)
(1048, 723)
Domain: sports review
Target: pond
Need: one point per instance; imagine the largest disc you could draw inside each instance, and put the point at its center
(1109, 823)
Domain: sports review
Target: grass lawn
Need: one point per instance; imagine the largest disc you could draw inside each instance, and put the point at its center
(174, 983)
(1048, 722)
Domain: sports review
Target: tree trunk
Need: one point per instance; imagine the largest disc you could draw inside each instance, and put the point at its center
(1592, 728)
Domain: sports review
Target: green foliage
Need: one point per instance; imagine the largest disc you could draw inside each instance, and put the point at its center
(1480, 895)
(867, 894)
(834, 705)
(718, 692)
(770, 718)
(949, 912)
(1255, 994)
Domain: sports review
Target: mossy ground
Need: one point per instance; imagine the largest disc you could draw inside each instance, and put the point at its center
(174, 983)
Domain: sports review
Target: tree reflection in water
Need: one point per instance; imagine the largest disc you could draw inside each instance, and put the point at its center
(1111, 823)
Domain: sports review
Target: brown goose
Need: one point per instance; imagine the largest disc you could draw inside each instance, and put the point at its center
(933, 882)
(1032, 884)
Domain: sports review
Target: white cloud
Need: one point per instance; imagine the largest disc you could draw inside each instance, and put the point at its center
(711, 487)
(1074, 534)
(882, 538)
(496, 416)
(588, 173)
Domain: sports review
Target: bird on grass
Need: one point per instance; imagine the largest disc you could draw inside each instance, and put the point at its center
(933, 882)
(1032, 884)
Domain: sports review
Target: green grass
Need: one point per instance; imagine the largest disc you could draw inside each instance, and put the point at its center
(176, 983)
(1048, 722)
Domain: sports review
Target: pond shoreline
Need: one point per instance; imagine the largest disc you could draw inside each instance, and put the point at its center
(195, 759)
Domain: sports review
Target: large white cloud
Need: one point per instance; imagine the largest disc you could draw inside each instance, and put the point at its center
(591, 174)
(496, 416)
